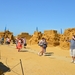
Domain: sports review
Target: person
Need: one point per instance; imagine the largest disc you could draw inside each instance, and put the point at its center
(19, 45)
(2, 40)
(16, 42)
(43, 45)
(72, 48)
(24, 42)
(8, 40)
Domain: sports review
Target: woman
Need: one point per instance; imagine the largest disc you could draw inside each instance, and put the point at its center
(43, 45)
(19, 45)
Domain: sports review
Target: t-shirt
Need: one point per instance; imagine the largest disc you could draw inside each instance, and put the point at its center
(72, 44)
(8, 40)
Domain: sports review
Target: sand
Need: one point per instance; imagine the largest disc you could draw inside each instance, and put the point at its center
(56, 61)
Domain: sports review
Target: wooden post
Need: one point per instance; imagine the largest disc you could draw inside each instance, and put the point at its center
(21, 67)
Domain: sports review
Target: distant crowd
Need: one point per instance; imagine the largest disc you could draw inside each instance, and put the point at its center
(5, 41)
(20, 42)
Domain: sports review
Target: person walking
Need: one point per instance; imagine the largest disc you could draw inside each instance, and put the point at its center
(19, 45)
(43, 45)
(24, 42)
(72, 48)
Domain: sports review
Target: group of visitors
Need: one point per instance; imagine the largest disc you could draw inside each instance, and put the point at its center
(20, 42)
(5, 41)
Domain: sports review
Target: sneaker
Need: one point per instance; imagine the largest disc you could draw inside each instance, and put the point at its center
(72, 61)
(43, 54)
(39, 54)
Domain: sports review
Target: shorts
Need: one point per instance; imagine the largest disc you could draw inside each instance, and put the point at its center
(8, 42)
(72, 52)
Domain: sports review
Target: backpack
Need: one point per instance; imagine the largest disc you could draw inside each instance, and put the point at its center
(44, 45)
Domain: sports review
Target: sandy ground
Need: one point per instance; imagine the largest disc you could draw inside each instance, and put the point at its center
(56, 61)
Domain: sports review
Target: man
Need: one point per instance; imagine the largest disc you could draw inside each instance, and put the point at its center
(72, 48)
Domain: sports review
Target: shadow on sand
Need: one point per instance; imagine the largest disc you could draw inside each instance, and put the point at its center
(3, 69)
(23, 51)
(26, 47)
(49, 53)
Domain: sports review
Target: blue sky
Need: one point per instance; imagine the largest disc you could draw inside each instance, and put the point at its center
(25, 15)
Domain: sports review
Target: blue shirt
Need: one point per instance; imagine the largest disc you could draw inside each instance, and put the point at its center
(72, 44)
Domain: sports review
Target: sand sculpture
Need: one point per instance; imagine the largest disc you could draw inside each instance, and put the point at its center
(25, 35)
(7, 34)
(67, 35)
(35, 37)
(1, 34)
(52, 37)
(63, 43)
